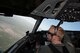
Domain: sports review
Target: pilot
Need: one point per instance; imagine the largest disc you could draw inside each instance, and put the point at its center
(58, 42)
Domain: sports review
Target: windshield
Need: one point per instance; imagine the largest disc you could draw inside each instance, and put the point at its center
(70, 26)
(14, 28)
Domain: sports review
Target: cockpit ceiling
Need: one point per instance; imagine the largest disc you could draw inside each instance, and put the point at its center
(18, 7)
(66, 10)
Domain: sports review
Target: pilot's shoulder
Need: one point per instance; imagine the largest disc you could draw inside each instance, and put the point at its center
(44, 47)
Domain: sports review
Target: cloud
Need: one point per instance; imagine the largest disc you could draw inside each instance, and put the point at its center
(8, 29)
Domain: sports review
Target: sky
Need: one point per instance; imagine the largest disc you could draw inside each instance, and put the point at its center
(72, 26)
(46, 23)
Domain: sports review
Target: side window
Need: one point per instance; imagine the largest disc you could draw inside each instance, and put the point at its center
(14, 28)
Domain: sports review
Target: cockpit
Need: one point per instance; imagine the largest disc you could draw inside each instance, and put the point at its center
(37, 16)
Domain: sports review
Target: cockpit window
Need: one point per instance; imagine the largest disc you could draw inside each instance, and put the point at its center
(14, 28)
(71, 26)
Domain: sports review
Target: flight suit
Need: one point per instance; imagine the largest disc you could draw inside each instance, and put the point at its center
(66, 43)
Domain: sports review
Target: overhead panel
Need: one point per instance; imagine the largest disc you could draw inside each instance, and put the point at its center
(66, 10)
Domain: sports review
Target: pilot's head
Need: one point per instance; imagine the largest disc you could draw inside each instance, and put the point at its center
(55, 33)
